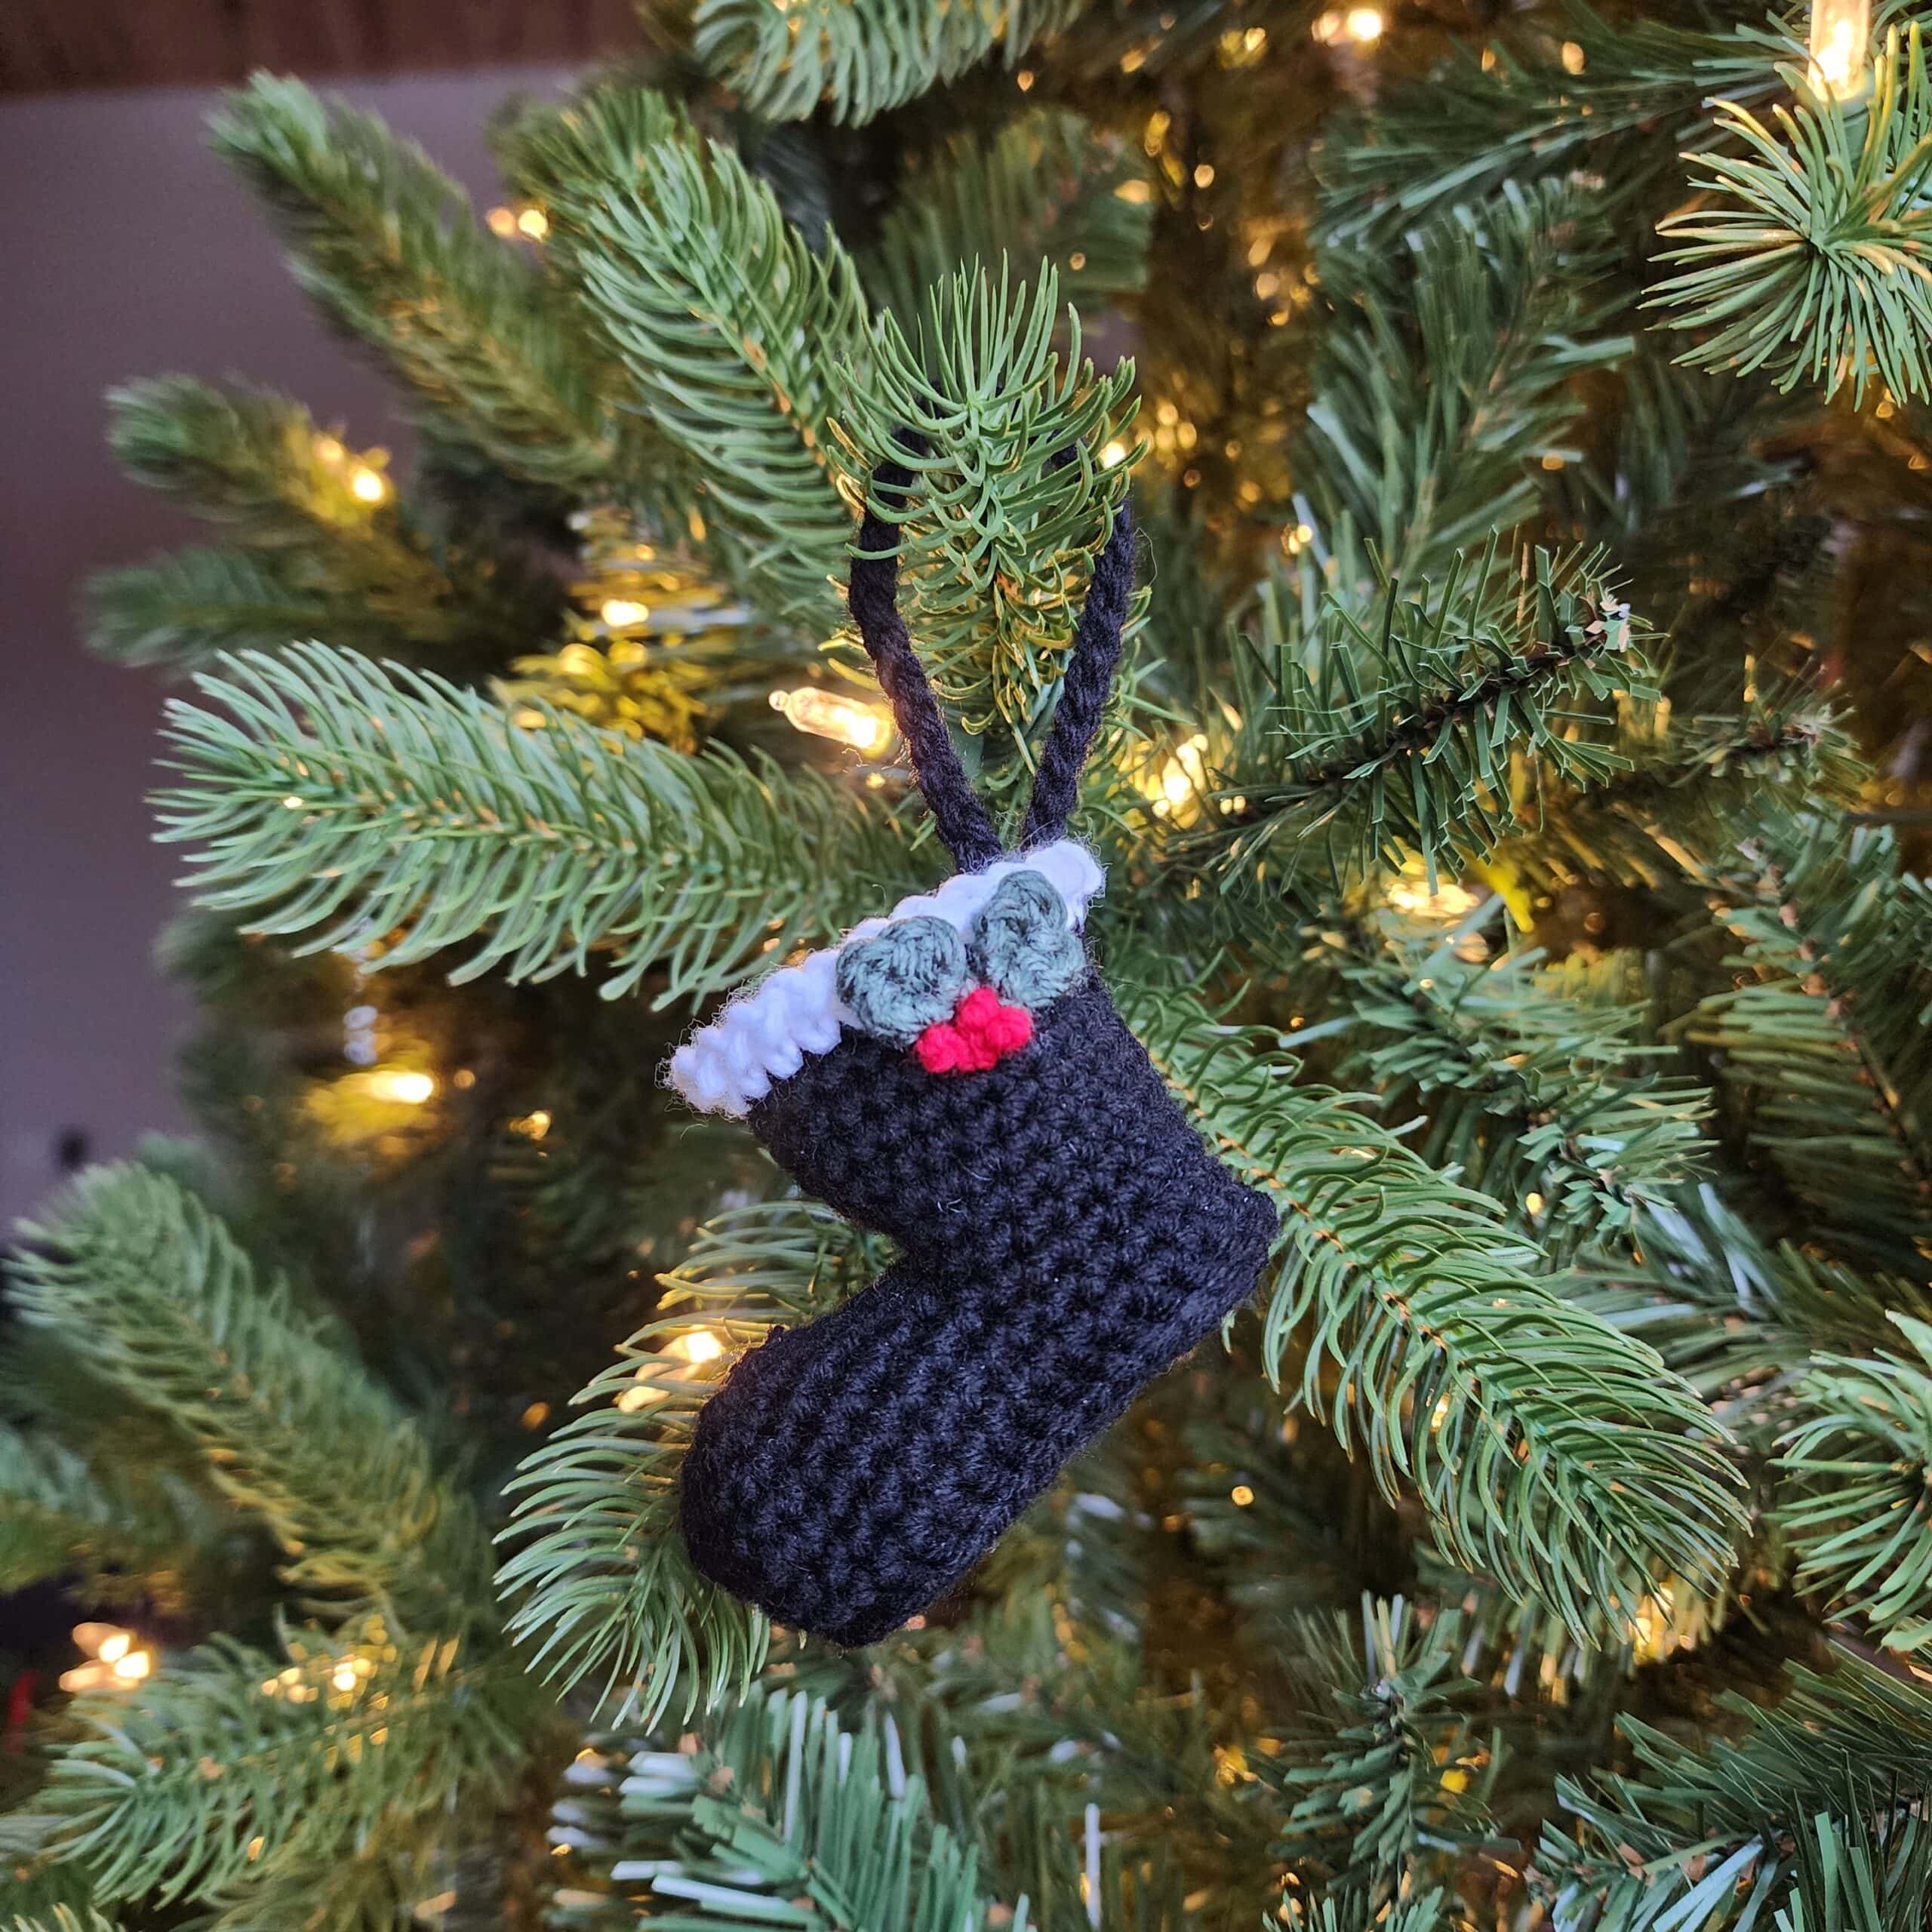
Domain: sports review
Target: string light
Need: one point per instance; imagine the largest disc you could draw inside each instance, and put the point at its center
(502, 223)
(1411, 895)
(1362, 25)
(1841, 33)
(1174, 787)
(1114, 455)
(368, 485)
(621, 613)
(406, 1088)
(534, 222)
(866, 727)
(700, 1345)
(115, 1661)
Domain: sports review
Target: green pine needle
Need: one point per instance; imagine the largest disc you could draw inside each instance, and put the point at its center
(860, 60)
(1812, 257)
(388, 248)
(602, 1585)
(1013, 494)
(1047, 189)
(1375, 726)
(1551, 1452)
(342, 801)
(150, 1288)
(734, 332)
(226, 1761)
(1858, 1503)
(1700, 1839)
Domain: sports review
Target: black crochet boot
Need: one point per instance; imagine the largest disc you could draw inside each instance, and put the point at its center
(957, 1078)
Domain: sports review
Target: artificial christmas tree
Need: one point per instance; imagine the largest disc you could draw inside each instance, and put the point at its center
(1507, 800)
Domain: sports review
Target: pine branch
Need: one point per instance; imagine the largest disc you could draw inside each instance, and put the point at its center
(1352, 1911)
(738, 338)
(1691, 789)
(598, 1572)
(860, 60)
(1550, 1451)
(1386, 1773)
(1827, 1041)
(1703, 1839)
(1046, 189)
(58, 1517)
(783, 1815)
(1860, 1474)
(1528, 110)
(343, 801)
(64, 1918)
(226, 1760)
(178, 611)
(388, 250)
(1012, 493)
(256, 462)
(152, 1290)
(1812, 257)
(1536, 1096)
(1444, 376)
(1739, 1316)
(1394, 723)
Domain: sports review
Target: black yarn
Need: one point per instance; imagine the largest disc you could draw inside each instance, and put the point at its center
(1083, 695)
(873, 598)
(1067, 1235)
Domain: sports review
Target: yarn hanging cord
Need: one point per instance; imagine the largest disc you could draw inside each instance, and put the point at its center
(958, 810)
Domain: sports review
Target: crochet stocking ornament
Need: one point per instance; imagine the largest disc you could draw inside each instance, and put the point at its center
(955, 1076)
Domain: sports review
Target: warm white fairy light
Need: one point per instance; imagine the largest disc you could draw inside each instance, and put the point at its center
(1841, 34)
(866, 727)
(1449, 901)
(406, 1088)
(1362, 25)
(621, 613)
(700, 1345)
(115, 1661)
(368, 485)
(1173, 786)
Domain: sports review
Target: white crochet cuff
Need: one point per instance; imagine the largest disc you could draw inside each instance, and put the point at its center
(764, 1034)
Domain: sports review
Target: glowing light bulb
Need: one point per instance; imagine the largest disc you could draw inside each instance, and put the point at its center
(328, 450)
(1364, 24)
(619, 612)
(502, 223)
(1410, 895)
(132, 1668)
(866, 727)
(1841, 33)
(407, 1089)
(368, 485)
(1114, 455)
(700, 1345)
(114, 1648)
(534, 222)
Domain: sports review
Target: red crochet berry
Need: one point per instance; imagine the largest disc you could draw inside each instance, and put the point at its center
(981, 1032)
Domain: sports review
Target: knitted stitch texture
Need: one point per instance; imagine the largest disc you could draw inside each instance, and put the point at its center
(1066, 1235)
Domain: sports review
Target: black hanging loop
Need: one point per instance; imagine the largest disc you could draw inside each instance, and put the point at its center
(958, 810)
(873, 597)
(1083, 692)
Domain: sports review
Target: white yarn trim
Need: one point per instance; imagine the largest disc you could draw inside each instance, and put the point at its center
(765, 1034)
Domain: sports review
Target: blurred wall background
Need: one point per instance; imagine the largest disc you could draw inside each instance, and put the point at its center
(125, 250)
